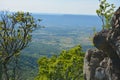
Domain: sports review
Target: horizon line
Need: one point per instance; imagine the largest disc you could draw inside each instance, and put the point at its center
(45, 13)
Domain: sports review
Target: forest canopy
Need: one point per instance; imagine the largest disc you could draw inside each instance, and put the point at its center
(67, 66)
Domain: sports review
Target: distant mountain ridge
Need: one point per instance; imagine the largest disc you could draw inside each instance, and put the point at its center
(58, 20)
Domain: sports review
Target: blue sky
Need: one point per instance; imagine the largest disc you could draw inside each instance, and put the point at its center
(54, 6)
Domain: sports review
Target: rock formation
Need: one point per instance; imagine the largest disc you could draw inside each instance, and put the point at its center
(103, 63)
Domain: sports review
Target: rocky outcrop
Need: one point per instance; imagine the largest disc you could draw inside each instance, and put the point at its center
(103, 63)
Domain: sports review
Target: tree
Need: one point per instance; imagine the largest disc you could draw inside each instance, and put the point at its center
(67, 66)
(105, 13)
(15, 34)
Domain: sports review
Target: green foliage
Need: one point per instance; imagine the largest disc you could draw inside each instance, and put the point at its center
(67, 66)
(15, 34)
(105, 13)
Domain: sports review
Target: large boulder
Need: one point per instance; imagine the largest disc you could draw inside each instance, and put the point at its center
(103, 63)
(99, 66)
(92, 60)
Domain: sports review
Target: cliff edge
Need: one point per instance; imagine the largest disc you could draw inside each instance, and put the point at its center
(103, 62)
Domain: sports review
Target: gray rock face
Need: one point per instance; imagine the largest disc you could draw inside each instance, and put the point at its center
(103, 63)
(99, 66)
(92, 68)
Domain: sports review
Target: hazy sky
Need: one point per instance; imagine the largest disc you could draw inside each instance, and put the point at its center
(53, 6)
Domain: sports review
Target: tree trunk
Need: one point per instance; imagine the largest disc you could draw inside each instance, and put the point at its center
(4, 72)
(0, 70)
